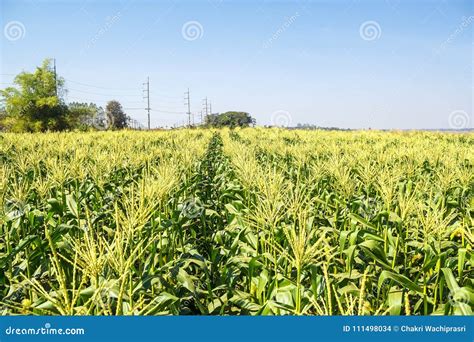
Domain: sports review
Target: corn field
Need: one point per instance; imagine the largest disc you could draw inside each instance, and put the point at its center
(237, 222)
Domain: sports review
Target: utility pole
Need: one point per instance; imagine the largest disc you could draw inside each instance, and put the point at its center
(210, 108)
(188, 102)
(147, 90)
(55, 78)
(206, 108)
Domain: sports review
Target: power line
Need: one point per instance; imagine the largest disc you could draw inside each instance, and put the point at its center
(67, 96)
(118, 95)
(98, 87)
(167, 111)
(110, 88)
(178, 100)
(165, 96)
(101, 94)
(164, 106)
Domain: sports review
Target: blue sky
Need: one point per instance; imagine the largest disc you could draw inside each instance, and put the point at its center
(351, 64)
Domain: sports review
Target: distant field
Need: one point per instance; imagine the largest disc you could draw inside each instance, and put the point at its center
(252, 221)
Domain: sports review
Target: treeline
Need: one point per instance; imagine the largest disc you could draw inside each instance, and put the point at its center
(315, 127)
(36, 104)
(229, 119)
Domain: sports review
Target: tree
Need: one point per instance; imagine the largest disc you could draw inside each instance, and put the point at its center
(116, 117)
(85, 115)
(212, 120)
(230, 119)
(35, 103)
